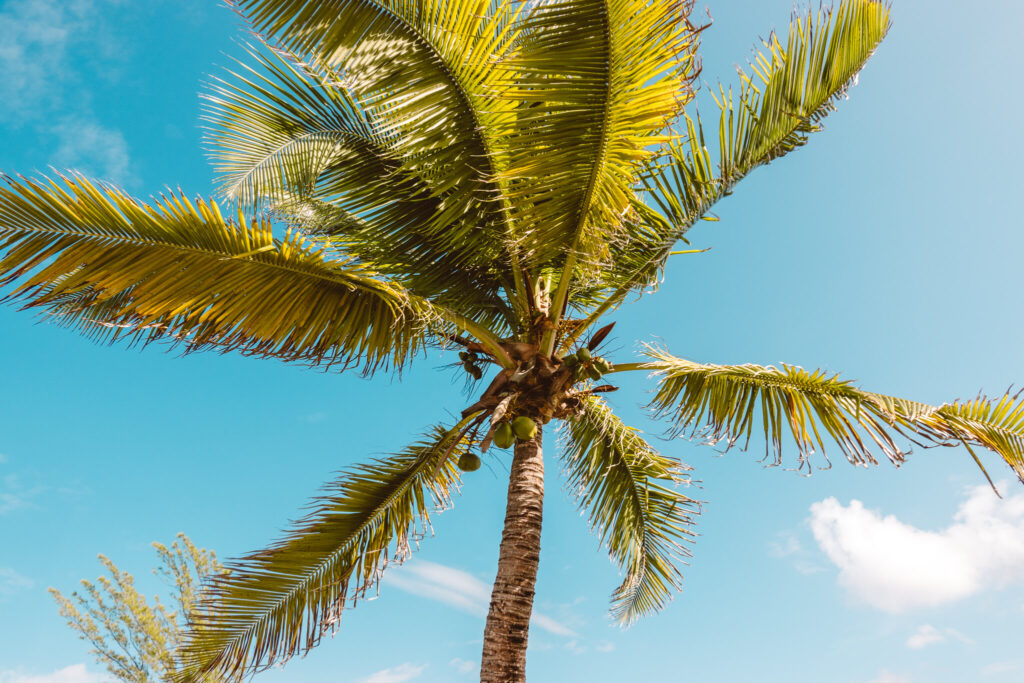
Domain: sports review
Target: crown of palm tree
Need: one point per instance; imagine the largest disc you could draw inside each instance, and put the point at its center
(496, 176)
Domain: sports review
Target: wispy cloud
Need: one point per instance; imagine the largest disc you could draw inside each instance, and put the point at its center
(929, 635)
(76, 673)
(787, 546)
(16, 496)
(1000, 668)
(12, 582)
(894, 566)
(33, 53)
(398, 674)
(457, 589)
(463, 666)
(87, 147)
(46, 48)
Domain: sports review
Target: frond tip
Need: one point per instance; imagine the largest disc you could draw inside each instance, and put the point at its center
(720, 401)
(629, 492)
(279, 602)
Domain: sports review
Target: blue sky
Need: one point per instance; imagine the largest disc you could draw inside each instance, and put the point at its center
(888, 249)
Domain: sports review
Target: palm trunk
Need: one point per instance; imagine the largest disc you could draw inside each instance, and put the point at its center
(508, 621)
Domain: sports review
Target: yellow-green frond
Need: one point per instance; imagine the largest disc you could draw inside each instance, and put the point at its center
(95, 258)
(595, 83)
(276, 126)
(422, 71)
(629, 492)
(279, 602)
(287, 136)
(727, 403)
(785, 96)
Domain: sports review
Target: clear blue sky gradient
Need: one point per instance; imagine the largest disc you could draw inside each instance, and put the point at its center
(889, 249)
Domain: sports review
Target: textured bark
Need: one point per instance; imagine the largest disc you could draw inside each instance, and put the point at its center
(508, 621)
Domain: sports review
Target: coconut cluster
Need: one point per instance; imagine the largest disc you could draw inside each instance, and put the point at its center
(585, 365)
(470, 363)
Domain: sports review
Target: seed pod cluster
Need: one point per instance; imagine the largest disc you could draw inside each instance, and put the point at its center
(585, 365)
(469, 363)
(521, 428)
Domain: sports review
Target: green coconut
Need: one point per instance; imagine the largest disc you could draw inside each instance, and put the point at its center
(524, 428)
(593, 373)
(469, 462)
(503, 435)
(583, 353)
(602, 365)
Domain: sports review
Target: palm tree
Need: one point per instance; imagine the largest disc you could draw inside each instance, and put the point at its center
(491, 177)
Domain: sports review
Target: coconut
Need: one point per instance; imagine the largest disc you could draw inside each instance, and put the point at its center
(476, 372)
(602, 365)
(469, 462)
(524, 428)
(583, 353)
(503, 435)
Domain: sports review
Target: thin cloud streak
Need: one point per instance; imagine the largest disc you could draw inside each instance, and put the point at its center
(76, 673)
(457, 589)
(398, 674)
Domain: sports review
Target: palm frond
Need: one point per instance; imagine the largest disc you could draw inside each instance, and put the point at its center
(419, 262)
(595, 82)
(423, 72)
(721, 403)
(789, 91)
(95, 258)
(279, 602)
(629, 493)
(288, 136)
(277, 125)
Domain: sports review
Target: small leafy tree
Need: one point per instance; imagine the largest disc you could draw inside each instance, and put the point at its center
(133, 638)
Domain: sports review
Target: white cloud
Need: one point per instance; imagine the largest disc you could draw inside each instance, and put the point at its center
(925, 636)
(457, 589)
(1000, 668)
(398, 674)
(12, 582)
(33, 53)
(896, 567)
(46, 49)
(76, 673)
(929, 635)
(463, 666)
(85, 146)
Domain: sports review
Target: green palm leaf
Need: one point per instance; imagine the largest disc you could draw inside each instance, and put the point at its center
(594, 82)
(785, 98)
(721, 402)
(628, 491)
(424, 74)
(93, 257)
(279, 602)
(289, 137)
